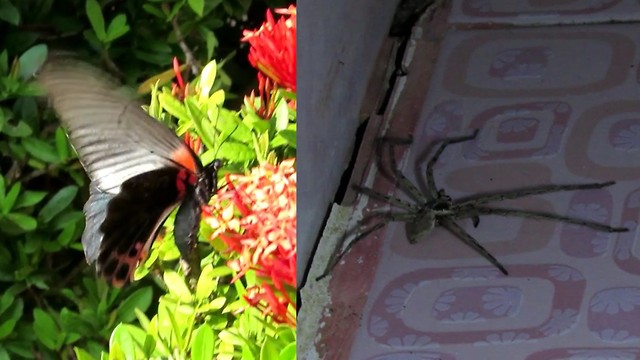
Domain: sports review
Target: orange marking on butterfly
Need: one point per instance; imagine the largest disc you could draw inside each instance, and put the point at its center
(134, 260)
(185, 158)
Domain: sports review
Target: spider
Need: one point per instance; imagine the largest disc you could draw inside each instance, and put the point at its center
(433, 207)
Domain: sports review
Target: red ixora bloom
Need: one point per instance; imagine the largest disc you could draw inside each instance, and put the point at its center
(263, 236)
(180, 89)
(273, 47)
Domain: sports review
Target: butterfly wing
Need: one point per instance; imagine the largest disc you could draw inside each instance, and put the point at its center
(133, 218)
(140, 170)
(113, 136)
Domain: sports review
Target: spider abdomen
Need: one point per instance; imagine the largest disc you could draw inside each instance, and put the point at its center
(420, 226)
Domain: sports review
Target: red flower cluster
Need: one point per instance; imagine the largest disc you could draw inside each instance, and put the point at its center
(264, 235)
(273, 48)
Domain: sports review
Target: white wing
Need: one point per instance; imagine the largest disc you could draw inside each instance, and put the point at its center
(114, 137)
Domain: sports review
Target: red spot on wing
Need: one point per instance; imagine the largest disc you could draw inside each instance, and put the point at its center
(185, 158)
(184, 179)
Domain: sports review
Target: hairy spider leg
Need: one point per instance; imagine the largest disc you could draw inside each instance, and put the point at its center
(381, 141)
(431, 182)
(387, 217)
(484, 198)
(461, 234)
(485, 210)
(401, 180)
(388, 199)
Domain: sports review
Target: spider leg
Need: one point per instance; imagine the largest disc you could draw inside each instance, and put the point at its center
(404, 184)
(336, 260)
(527, 191)
(485, 210)
(431, 182)
(461, 234)
(388, 199)
(387, 217)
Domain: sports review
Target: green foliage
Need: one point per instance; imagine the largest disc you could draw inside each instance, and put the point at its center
(200, 323)
(242, 138)
(134, 39)
(51, 304)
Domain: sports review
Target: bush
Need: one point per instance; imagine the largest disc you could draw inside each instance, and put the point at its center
(51, 304)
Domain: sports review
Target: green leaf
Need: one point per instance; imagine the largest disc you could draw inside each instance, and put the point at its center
(174, 10)
(117, 27)
(21, 129)
(92, 39)
(285, 136)
(46, 329)
(177, 286)
(82, 354)
(217, 98)
(269, 350)
(206, 283)
(153, 11)
(140, 299)
(4, 61)
(174, 330)
(10, 312)
(62, 144)
(22, 221)
(231, 127)
(31, 60)
(68, 218)
(231, 338)
(236, 152)
(154, 106)
(41, 150)
(29, 198)
(10, 199)
(9, 13)
(207, 78)
(211, 40)
(71, 321)
(58, 203)
(282, 115)
(128, 340)
(289, 352)
(254, 122)
(206, 133)
(213, 305)
(66, 235)
(173, 106)
(23, 349)
(142, 319)
(221, 271)
(94, 13)
(202, 347)
(197, 6)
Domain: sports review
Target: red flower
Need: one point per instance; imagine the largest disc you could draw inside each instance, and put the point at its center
(273, 48)
(263, 235)
(266, 88)
(179, 90)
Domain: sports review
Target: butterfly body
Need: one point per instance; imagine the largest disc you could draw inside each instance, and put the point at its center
(140, 171)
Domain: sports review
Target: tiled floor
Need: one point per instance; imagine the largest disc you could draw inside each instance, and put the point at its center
(554, 105)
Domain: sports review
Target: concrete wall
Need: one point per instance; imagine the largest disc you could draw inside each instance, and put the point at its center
(338, 45)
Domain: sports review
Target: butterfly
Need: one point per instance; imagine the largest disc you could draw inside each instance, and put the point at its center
(139, 169)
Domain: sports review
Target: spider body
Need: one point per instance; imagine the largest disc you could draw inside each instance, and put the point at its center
(432, 207)
(427, 216)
